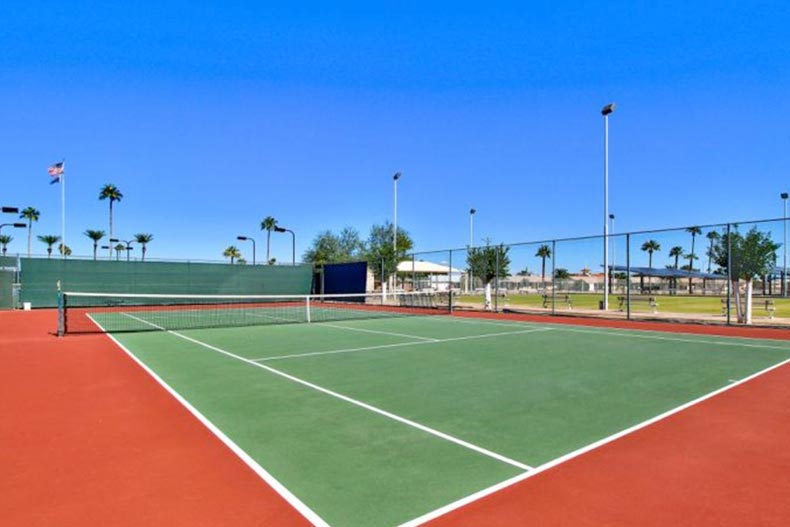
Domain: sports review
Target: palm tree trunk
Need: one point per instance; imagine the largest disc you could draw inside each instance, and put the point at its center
(110, 243)
(691, 262)
(268, 239)
(49, 251)
(143, 252)
(543, 273)
(29, 237)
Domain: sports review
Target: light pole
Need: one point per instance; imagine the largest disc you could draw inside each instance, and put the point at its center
(606, 111)
(14, 225)
(10, 210)
(784, 196)
(471, 242)
(247, 238)
(293, 242)
(128, 244)
(395, 179)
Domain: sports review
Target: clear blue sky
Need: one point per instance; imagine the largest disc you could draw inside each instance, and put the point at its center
(211, 115)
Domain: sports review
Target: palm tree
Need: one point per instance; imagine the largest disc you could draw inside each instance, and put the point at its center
(64, 250)
(694, 231)
(119, 247)
(712, 237)
(544, 251)
(31, 215)
(675, 252)
(5, 239)
(95, 236)
(50, 240)
(651, 246)
(111, 192)
(231, 252)
(268, 224)
(143, 239)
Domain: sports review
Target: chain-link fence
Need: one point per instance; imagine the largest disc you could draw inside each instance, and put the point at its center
(717, 274)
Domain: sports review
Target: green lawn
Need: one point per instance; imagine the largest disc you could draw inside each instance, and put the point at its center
(666, 304)
(527, 392)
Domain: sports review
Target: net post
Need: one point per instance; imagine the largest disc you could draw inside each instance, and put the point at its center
(307, 308)
(61, 312)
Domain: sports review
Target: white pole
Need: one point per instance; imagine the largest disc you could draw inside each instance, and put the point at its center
(614, 247)
(471, 242)
(63, 209)
(784, 246)
(606, 212)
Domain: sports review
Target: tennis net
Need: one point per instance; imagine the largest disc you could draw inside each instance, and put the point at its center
(80, 312)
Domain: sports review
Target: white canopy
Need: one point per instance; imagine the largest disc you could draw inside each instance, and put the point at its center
(407, 266)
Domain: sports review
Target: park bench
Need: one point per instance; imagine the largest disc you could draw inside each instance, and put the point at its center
(559, 299)
(768, 306)
(637, 300)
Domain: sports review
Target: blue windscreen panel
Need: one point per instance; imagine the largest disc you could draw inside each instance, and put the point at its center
(345, 277)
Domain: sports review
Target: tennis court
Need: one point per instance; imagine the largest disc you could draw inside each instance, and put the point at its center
(368, 416)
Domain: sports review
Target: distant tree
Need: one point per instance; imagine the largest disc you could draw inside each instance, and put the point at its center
(524, 272)
(64, 250)
(544, 251)
(651, 246)
(271, 261)
(712, 237)
(241, 261)
(268, 224)
(143, 239)
(328, 247)
(112, 193)
(50, 240)
(31, 215)
(231, 252)
(675, 252)
(561, 274)
(5, 239)
(381, 257)
(96, 236)
(489, 262)
(694, 231)
(119, 248)
(753, 255)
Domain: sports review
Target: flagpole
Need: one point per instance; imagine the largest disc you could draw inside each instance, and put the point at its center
(63, 209)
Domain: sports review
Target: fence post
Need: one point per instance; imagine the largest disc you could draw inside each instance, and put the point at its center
(496, 282)
(729, 274)
(553, 277)
(628, 276)
(450, 282)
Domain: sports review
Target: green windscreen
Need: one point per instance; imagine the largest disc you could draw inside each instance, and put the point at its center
(39, 278)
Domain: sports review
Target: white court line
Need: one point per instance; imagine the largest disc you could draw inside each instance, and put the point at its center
(576, 453)
(371, 408)
(619, 332)
(396, 345)
(278, 487)
(376, 331)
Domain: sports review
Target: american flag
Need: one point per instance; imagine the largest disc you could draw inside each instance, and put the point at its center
(56, 171)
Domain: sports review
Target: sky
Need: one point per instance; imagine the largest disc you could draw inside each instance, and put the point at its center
(211, 115)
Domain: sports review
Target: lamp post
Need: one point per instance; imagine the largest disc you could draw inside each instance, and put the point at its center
(247, 238)
(784, 196)
(128, 244)
(395, 179)
(10, 210)
(14, 225)
(606, 111)
(293, 242)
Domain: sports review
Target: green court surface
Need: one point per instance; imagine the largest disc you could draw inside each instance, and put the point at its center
(378, 421)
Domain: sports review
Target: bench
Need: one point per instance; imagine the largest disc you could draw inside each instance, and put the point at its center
(560, 299)
(636, 300)
(768, 306)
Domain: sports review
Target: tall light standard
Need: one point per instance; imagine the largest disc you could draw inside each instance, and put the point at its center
(614, 249)
(10, 210)
(395, 179)
(247, 238)
(606, 111)
(784, 196)
(471, 243)
(293, 242)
